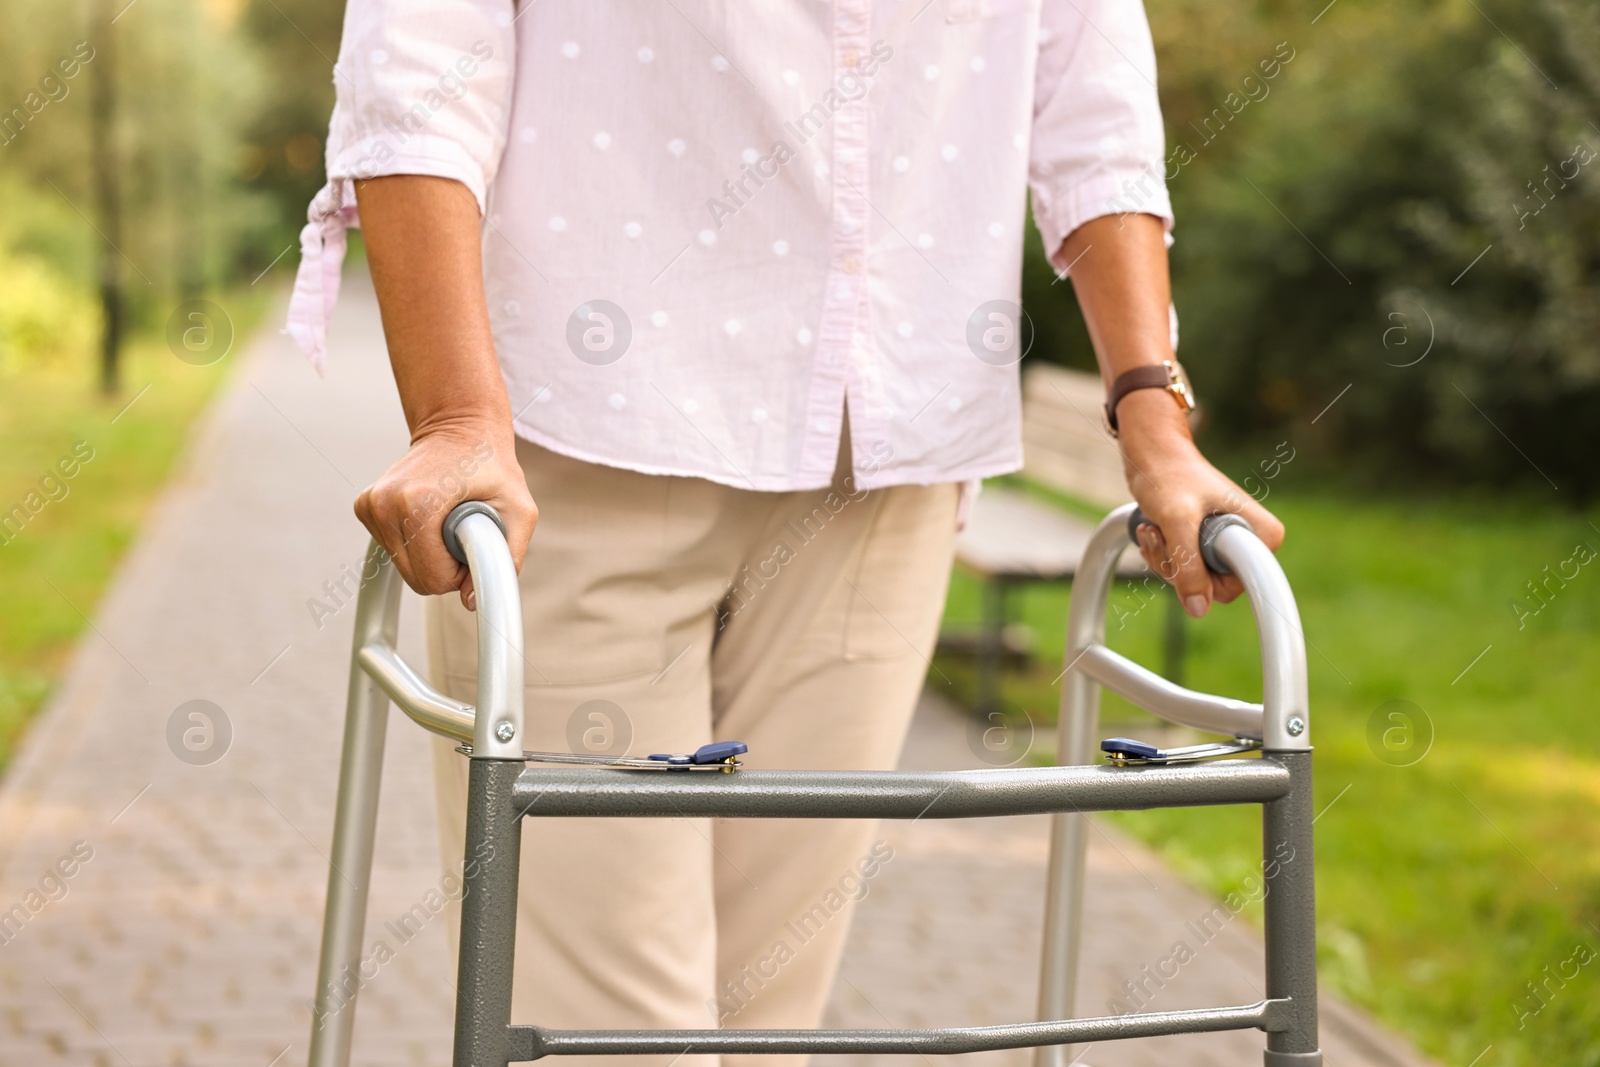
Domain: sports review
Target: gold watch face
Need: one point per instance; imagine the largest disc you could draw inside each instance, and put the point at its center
(1178, 384)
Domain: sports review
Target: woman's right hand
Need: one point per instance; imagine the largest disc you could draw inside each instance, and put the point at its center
(405, 509)
(424, 245)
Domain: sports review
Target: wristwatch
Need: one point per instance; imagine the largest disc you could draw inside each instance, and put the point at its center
(1167, 375)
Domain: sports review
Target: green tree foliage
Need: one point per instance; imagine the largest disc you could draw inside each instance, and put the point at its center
(1524, 324)
(220, 110)
(297, 41)
(1330, 232)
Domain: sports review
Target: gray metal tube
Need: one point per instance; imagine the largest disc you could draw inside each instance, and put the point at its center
(534, 1042)
(494, 828)
(376, 673)
(605, 792)
(1290, 915)
(1286, 724)
(426, 706)
(497, 731)
(488, 915)
(1203, 711)
(355, 820)
(1069, 831)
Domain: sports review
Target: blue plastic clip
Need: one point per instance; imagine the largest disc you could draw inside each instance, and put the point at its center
(716, 752)
(1125, 748)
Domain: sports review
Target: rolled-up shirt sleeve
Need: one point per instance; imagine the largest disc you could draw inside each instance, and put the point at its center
(1098, 141)
(422, 88)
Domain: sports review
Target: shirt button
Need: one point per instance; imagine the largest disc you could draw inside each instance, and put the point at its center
(851, 265)
(852, 58)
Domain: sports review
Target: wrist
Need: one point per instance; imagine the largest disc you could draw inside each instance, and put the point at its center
(471, 425)
(1150, 422)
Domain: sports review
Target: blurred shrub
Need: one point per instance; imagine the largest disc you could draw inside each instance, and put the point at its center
(1327, 219)
(48, 315)
(45, 318)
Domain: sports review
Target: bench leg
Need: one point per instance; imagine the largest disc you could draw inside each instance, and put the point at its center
(1174, 641)
(991, 645)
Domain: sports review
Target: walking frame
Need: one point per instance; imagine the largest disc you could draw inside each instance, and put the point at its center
(503, 790)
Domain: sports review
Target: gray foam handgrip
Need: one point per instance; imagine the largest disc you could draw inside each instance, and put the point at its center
(452, 522)
(1210, 527)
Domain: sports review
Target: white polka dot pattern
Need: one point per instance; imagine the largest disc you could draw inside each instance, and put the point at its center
(703, 235)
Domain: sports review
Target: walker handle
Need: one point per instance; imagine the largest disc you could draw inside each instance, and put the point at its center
(1210, 527)
(453, 521)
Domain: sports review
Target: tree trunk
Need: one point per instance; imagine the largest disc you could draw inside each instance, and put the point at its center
(108, 201)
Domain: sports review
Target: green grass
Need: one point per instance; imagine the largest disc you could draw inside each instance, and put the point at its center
(55, 569)
(1446, 885)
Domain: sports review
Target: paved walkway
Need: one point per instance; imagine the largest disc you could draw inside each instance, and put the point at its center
(170, 909)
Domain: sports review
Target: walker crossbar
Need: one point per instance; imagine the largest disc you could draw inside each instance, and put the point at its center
(896, 794)
(502, 791)
(535, 1042)
(1172, 702)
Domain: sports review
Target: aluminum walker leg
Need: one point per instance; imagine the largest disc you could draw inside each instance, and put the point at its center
(488, 915)
(355, 822)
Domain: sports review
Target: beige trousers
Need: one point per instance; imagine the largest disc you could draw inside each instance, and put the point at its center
(662, 613)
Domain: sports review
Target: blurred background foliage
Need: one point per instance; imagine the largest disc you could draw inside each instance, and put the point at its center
(219, 109)
(1325, 233)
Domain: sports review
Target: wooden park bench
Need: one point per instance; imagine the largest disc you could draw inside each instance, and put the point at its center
(1014, 537)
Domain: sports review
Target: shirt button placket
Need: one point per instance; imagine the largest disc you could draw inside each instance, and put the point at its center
(850, 158)
(845, 295)
(844, 312)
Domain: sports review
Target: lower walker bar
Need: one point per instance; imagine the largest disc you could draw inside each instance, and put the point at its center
(535, 1042)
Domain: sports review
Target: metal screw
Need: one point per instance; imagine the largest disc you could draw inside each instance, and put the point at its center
(505, 731)
(1297, 726)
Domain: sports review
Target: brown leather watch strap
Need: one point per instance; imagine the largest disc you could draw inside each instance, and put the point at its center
(1152, 376)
